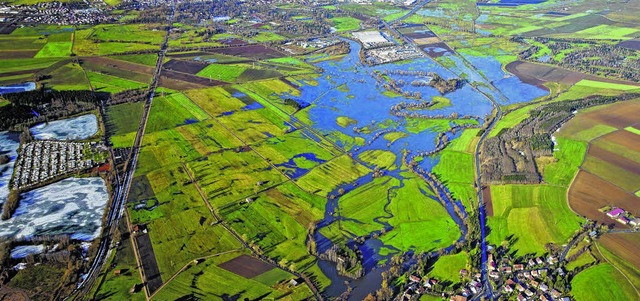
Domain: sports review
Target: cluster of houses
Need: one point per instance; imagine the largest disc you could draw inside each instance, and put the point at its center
(623, 217)
(391, 54)
(57, 13)
(524, 281)
(41, 161)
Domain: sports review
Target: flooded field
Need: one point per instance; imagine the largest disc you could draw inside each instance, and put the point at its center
(30, 86)
(24, 251)
(9, 143)
(347, 90)
(73, 206)
(76, 128)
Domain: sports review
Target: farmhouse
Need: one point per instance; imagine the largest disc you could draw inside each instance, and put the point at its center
(623, 220)
(615, 213)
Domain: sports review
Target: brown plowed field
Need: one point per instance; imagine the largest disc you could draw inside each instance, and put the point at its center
(149, 263)
(625, 245)
(183, 81)
(246, 266)
(18, 54)
(190, 67)
(615, 159)
(118, 64)
(588, 193)
(619, 115)
(486, 197)
(536, 74)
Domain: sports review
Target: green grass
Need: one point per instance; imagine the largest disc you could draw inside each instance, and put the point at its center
(612, 173)
(55, 49)
(197, 280)
(569, 156)
(223, 72)
(172, 110)
(448, 267)
(394, 136)
(534, 214)
(419, 222)
(345, 121)
(26, 64)
(122, 123)
(379, 158)
(116, 287)
(112, 84)
(343, 24)
(267, 36)
(588, 134)
(68, 77)
(626, 267)
(289, 61)
(324, 178)
(584, 259)
(215, 101)
(601, 282)
(629, 153)
(633, 130)
(144, 59)
(456, 170)
(606, 32)
(604, 85)
(464, 143)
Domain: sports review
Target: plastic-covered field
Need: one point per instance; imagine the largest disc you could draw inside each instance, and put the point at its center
(76, 128)
(73, 206)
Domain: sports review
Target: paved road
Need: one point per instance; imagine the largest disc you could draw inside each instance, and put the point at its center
(122, 185)
(413, 11)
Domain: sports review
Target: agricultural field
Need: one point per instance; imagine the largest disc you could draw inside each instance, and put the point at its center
(277, 158)
(611, 162)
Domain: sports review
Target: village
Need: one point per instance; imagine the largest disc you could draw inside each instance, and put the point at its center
(380, 49)
(530, 280)
(41, 161)
(56, 13)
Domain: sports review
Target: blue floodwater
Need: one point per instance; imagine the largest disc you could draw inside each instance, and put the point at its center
(348, 89)
(190, 121)
(30, 86)
(511, 2)
(253, 106)
(292, 170)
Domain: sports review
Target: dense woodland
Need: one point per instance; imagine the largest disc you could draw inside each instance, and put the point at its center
(43, 105)
(587, 56)
(510, 156)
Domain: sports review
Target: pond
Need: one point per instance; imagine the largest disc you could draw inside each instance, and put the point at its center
(30, 86)
(24, 251)
(75, 128)
(73, 206)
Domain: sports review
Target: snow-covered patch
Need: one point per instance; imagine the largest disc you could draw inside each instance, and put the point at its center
(9, 144)
(73, 206)
(76, 128)
(24, 251)
(20, 266)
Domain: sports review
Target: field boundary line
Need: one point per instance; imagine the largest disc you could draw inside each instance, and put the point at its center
(619, 271)
(187, 265)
